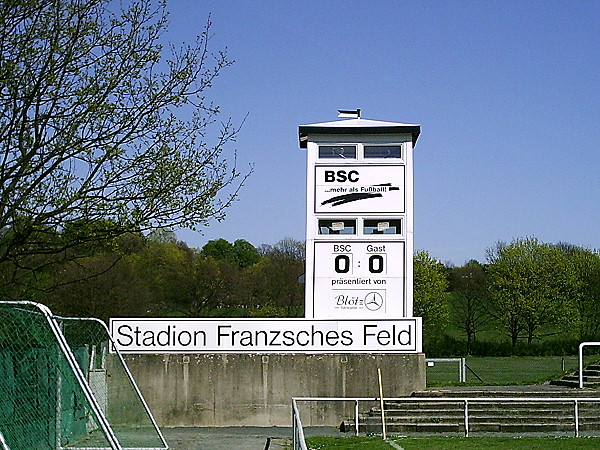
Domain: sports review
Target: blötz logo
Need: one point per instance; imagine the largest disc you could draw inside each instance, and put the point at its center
(348, 301)
(373, 301)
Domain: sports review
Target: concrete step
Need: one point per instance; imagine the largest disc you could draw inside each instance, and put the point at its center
(586, 378)
(591, 378)
(565, 383)
(503, 415)
(548, 391)
(474, 426)
(397, 427)
(493, 412)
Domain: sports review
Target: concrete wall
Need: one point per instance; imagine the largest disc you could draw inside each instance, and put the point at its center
(256, 390)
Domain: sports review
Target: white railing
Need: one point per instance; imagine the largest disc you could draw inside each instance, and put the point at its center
(466, 402)
(298, 441)
(99, 414)
(3, 443)
(584, 344)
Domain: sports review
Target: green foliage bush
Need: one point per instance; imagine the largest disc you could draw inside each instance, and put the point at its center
(444, 345)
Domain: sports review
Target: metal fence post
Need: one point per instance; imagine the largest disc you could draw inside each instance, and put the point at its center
(581, 365)
(576, 418)
(356, 416)
(466, 418)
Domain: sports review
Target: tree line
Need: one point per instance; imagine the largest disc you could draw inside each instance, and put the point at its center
(526, 290)
(160, 276)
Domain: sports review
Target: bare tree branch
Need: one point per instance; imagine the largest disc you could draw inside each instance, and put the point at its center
(98, 126)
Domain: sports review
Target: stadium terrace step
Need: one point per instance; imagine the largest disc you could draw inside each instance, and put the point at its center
(415, 415)
(591, 378)
(506, 391)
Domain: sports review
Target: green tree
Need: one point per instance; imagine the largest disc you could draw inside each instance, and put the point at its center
(469, 300)
(430, 285)
(587, 268)
(214, 290)
(168, 267)
(245, 253)
(99, 125)
(532, 285)
(241, 253)
(273, 282)
(106, 285)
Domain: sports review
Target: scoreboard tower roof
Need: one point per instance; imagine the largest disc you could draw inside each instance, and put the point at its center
(357, 126)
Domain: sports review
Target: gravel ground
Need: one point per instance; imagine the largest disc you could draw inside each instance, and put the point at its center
(231, 438)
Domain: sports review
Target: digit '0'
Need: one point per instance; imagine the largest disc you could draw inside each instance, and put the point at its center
(376, 264)
(342, 263)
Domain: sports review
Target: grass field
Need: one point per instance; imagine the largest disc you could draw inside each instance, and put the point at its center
(506, 371)
(447, 443)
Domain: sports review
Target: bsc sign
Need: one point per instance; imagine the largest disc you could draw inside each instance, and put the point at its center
(359, 189)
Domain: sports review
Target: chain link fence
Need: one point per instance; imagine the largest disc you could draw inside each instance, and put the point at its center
(60, 387)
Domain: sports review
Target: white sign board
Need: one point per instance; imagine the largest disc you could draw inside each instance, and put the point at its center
(135, 335)
(359, 189)
(359, 279)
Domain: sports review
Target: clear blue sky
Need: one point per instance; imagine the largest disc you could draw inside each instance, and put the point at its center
(507, 94)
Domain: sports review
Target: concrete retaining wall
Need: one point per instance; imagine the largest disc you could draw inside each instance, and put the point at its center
(256, 390)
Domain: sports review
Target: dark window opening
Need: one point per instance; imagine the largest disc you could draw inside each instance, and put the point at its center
(382, 226)
(337, 151)
(337, 226)
(383, 151)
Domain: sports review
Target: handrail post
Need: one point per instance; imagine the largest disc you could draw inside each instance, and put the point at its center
(356, 416)
(298, 437)
(581, 365)
(576, 418)
(382, 406)
(466, 418)
(293, 425)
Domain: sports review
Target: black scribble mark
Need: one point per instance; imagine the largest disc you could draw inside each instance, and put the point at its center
(347, 198)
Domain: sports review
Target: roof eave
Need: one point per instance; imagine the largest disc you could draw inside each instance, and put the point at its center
(305, 130)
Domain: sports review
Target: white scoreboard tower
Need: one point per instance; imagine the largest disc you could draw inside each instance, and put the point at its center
(359, 215)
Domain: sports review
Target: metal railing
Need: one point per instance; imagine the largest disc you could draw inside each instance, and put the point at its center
(581, 346)
(62, 338)
(466, 402)
(3, 444)
(298, 441)
(123, 366)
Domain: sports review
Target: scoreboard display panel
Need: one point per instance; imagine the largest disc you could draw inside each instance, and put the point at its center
(359, 279)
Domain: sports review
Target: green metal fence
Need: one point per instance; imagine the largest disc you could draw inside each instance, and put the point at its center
(60, 387)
